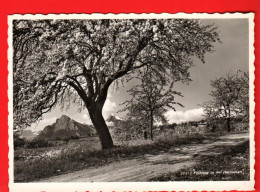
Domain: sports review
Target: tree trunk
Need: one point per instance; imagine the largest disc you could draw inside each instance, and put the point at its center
(228, 124)
(228, 120)
(145, 134)
(100, 125)
(151, 124)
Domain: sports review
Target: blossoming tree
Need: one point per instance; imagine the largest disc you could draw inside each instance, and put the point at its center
(230, 99)
(151, 99)
(76, 61)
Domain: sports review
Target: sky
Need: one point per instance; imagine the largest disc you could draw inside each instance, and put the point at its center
(229, 56)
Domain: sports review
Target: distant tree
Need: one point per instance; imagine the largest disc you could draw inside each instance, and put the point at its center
(151, 99)
(212, 115)
(18, 141)
(76, 61)
(126, 128)
(38, 143)
(243, 99)
(138, 122)
(230, 98)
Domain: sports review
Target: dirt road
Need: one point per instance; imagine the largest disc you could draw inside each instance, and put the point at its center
(148, 166)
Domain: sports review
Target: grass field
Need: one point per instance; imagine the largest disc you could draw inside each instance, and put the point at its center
(232, 165)
(25, 154)
(34, 164)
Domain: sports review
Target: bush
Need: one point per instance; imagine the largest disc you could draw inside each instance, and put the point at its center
(74, 137)
(18, 142)
(126, 131)
(219, 125)
(181, 130)
(66, 140)
(38, 143)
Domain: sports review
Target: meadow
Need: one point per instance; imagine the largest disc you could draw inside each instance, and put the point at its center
(38, 163)
(233, 165)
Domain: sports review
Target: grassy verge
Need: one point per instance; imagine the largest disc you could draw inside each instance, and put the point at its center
(79, 158)
(232, 165)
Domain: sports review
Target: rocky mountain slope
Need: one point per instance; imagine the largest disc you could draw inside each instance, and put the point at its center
(64, 128)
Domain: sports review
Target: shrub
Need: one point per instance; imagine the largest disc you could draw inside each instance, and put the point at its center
(66, 139)
(18, 142)
(38, 143)
(74, 137)
(181, 130)
(126, 131)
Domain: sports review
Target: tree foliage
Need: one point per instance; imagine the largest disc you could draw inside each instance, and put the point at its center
(125, 129)
(151, 99)
(75, 61)
(230, 99)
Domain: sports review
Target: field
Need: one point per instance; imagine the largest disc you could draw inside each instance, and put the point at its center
(233, 165)
(33, 164)
(24, 154)
(39, 163)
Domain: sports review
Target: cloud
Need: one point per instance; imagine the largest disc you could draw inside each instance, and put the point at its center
(49, 120)
(85, 116)
(109, 105)
(38, 126)
(108, 109)
(189, 115)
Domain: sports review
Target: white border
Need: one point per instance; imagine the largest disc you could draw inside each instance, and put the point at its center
(135, 186)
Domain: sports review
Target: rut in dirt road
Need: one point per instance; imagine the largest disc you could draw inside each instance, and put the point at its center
(147, 166)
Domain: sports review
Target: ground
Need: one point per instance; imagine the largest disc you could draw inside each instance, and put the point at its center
(148, 166)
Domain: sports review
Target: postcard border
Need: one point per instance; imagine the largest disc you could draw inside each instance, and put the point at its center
(136, 186)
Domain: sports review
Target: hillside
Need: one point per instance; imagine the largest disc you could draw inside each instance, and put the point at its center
(65, 127)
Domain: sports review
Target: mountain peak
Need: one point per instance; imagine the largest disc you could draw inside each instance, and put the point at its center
(64, 117)
(65, 127)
